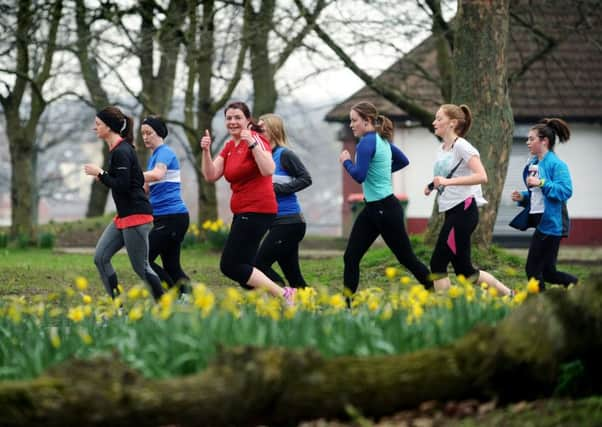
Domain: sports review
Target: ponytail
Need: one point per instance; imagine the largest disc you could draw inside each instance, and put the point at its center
(549, 128)
(384, 127)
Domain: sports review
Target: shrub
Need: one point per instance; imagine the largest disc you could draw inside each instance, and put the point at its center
(216, 233)
(46, 240)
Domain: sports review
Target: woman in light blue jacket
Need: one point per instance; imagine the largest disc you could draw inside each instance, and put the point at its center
(549, 187)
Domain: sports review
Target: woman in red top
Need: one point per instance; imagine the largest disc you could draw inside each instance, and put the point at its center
(246, 163)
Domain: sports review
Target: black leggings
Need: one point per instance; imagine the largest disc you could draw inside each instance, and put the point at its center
(238, 256)
(541, 261)
(383, 217)
(282, 245)
(453, 244)
(165, 240)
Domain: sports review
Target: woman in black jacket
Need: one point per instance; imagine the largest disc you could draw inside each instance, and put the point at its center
(134, 218)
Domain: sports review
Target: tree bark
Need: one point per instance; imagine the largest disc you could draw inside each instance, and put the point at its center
(89, 68)
(519, 359)
(31, 74)
(481, 82)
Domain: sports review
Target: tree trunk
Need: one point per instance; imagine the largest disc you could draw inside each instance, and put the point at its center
(481, 82)
(23, 184)
(519, 359)
(89, 68)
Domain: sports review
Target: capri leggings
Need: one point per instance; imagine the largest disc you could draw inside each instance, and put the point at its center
(282, 245)
(135, 240)
(453, 244)
(165, 240)
(238, 256)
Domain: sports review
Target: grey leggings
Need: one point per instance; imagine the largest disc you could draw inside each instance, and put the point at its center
(135, 240)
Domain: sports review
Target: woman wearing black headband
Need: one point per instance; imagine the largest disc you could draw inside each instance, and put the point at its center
(134, 218)
(171, 218)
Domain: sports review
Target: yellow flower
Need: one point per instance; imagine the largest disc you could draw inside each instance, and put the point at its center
(533, 285)
(87, 310)
(519, 297)
(166, 300)
(417, 311)
(81, 283)
(337, 301)
(135, 313)
(373, 304)
(390, 272)
(493, 292)
(85, 336)
(289, 312)
(387, 313)
(87, 299)
(55, 312)
(484, 285)
(135, 293)
(454, 291)
(14, 313)
(405, 280)
(214, 227)
(76, 314)
(219, 222)
(307, 298)
(207, 224)
(203, 299)
(469, 293)
(55, 339)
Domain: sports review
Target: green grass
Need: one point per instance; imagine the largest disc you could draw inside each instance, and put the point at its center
(39, 271)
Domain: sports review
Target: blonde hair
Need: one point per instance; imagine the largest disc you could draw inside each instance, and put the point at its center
(382, 124)
(273, 126)
(462, 114)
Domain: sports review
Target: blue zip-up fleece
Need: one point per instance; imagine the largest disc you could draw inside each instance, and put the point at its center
(557, 189)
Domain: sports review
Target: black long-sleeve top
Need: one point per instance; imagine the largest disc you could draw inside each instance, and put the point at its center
(126, 181)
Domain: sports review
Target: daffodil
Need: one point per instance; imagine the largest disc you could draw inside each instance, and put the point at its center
(136, 313)
(390, 272)
(81, 283)
(533, 286)
(76, 314)
(85, 336)
(55, 339)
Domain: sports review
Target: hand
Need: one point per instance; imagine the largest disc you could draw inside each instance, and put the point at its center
(439, 181)
(427, 191)
(247, 136)
(206, 141)
(92, 170)
(344, 156)
(517, 196)
(533, 181)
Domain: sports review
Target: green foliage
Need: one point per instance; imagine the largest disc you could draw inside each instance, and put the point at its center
(46, 240)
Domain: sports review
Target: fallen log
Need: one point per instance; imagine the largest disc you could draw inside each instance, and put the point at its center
(518, 359)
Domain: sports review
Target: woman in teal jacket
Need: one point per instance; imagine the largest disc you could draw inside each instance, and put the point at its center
(549, 187)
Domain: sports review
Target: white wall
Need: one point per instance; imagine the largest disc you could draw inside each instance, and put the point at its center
(420, 146)
(583, 155)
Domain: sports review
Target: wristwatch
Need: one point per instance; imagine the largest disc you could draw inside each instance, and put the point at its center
(101, 173)
(253, 145)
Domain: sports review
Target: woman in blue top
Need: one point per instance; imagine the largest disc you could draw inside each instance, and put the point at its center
(549, 187)
(288, 229)
(376, 159)
(171, 218)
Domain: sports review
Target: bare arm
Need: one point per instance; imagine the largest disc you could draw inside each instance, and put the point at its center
(262, 157)
(156, 174)
(212, 169)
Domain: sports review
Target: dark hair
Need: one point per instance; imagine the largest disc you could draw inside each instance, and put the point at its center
(239, 105)
(157, 124)
(118, 122)
(550, 128)
(462, 114)
(382, 124)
